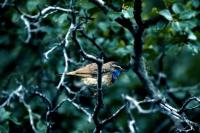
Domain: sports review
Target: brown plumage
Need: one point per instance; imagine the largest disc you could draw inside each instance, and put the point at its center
(88, 73)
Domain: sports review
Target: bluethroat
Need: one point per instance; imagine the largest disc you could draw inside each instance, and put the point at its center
(88, 74)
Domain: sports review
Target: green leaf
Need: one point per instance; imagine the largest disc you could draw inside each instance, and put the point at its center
(160, 26)
(128, 13)
(124, 51)
(113, 15)
(125, 14)
(188, 14)
(4, 128)
(166, 14)
(189, 24)
(4, 115)
(61, 19)
(192, 36)
(193, 48)
(41, 126)
(176, 26)
(196, 3)
(177, 8)
(103, 26)
(85, 4)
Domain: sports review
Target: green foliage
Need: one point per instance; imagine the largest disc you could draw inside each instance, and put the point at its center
(166, 13)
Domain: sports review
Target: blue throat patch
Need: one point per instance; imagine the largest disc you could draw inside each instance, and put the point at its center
(115, 74)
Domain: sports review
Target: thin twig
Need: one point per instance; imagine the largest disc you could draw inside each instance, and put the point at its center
(30, 20)
(7, 102)
(187, 102)
(65, 70)
(114, 115)
(81, 109)
(4, 3)
(91, 40)
(99, 62)
(47, 101)
(136, 104)
(101, 4)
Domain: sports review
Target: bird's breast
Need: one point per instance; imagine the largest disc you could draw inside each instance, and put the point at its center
(106, 80)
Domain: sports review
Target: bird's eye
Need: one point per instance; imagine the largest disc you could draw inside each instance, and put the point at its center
(115, 74)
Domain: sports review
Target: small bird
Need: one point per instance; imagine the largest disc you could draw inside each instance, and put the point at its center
(88, 73)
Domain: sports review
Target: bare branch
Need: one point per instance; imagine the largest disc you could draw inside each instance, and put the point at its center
(4, 3)
(139, 65)
(65, 41)
(83, 53)
(136, 104)
(99, 103)
(187, 102)
(28, 107)
(80, 108)
(101, 4)
(14, 93)
(99, 62)
(47, 11)
(131, 125)
(114, 115)
(46, 54)
(186, 88)
(43, 97)
(28, 27)
(176, 117)
(92, 40)
(65, 70)
(30, 20)
(126, 23)
(20, 93)
(76, 94)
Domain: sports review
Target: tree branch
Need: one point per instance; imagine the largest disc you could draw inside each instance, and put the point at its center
(101, 4)
(114, 116)
(126, 23)
(139, 65)
(99, 62)
(187, 102)
(34, 20)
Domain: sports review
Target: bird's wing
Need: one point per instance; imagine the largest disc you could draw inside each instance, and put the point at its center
(90, 70)
(107, 67)
(86, 71)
